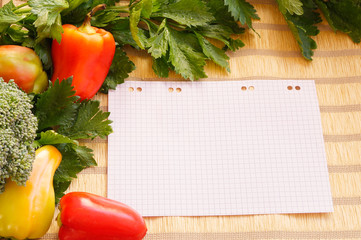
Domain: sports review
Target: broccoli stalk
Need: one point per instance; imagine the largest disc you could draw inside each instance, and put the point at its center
(18, 127)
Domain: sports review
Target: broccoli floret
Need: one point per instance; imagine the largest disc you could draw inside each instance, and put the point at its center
(18, 127)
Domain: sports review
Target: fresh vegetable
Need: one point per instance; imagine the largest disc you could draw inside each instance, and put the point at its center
(23, 66)
(85, 53)
(92, 217)
(62, 120)
(175, 33)
(180, 35)
(302, 17)
(54, 117)
(26, 212)
(17, 132)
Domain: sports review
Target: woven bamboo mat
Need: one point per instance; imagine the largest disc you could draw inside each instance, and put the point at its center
(336, 68)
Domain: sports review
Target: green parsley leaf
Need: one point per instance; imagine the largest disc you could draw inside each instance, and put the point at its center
(51, 137)
(152, 27)
(303, 27)
(234, 44)
(107, 16)
(292, 6)
(344, 16)
(147, 8)
(55, 106)
(223, 17)
(134, 19)
(186, 51)
(121, 32)
(158, 44)
(8, 15)
(104, 18)
(221, 33)
(90, 122)
(59, 188)
(157, 4)
(185, 12)
(75, 158)
(14, 35)
(70, 164)
(242, 11)
(186, 55)
(68, 169)
(43, 50)
(85, 155)
(73, 4)
(160, 67)
(119, 70)
(212, 52)
(223, 27)
(48, 22)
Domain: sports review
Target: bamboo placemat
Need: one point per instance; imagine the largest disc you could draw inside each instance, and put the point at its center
(336, 68)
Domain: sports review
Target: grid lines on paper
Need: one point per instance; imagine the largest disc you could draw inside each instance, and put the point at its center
(216, 149)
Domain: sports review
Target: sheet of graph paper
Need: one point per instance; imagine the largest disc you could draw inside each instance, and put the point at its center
(217, 148)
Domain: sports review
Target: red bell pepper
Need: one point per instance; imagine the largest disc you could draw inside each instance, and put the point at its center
(85, 53)
(91, 217)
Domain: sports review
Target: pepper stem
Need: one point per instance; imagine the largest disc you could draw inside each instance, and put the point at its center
(86, 26)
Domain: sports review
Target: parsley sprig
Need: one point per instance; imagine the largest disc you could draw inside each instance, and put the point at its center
(303, 15)
(62, 121)
(180, 35)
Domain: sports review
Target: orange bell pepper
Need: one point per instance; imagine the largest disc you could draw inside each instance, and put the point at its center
(85, 53)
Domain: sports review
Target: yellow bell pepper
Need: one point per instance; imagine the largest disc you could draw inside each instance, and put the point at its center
(27, 211)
